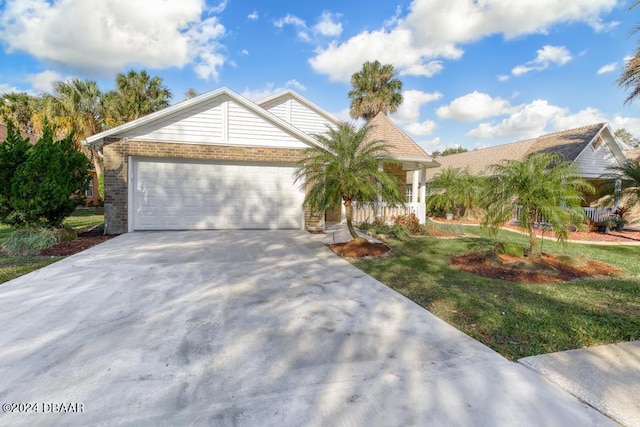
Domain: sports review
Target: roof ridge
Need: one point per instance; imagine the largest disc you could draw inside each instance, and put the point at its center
(571, 130)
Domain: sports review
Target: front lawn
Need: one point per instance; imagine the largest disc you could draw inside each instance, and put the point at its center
(516, 319)
(12, 267)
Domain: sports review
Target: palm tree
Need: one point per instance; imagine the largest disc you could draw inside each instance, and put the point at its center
(344, 167)
(453, 190)
(542, 185)
(629, 175)
(75, 107)
(137, 94)
(374, 90)
(630, 77)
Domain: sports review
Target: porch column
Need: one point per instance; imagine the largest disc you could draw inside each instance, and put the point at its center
(415, 188)
(423, 185)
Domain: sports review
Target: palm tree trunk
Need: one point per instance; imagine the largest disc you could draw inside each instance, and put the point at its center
(349, 212)
(534, 248)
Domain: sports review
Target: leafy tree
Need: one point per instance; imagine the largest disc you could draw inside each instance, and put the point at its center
(190, 93)
(449, 151)
(626, 137)
(49, 184)
(19, 108)
(13, 153)
(374, 90)
(542, 185)
(343, 167)
(453, 190)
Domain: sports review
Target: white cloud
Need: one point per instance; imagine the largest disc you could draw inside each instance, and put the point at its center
(244, 52)
(502, 77)
(296, 22)
(413, 100)
(431, 145)
(421, 128)
(296, 85)
(429, 69)
(7, 88)
(269, 89)
(609, 68)
(474, 106)
(43, 82)
(528, 121)
(253, 16)
(547, 56)
(328, 25)
(108, 36)
(435, 30)
(630, 124)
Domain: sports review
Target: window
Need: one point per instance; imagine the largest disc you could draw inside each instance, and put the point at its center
(408, 193)
(89, 191)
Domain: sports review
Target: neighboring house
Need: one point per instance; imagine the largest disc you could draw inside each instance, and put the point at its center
(592, 149)
(92, 198)
(216, 161)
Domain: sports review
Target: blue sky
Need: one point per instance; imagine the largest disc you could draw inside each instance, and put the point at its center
(476, 73)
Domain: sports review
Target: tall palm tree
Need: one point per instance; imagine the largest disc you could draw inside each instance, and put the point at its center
(630, 77)
(542, 184)
(343, 167)
(629, 175)
(137, 94)
(374, 90)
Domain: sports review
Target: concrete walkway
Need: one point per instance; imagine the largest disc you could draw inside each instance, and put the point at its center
(248, 328)
(606, 377)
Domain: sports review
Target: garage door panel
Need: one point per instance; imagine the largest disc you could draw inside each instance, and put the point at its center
(198, 195)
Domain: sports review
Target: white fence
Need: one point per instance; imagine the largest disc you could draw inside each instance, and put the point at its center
(596, 215)
(369, 212)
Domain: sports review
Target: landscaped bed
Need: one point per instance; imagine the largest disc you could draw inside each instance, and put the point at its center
(517, 319)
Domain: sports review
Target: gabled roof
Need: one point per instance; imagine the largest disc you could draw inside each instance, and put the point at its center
(290, 94)
(568, 143)
(3, 135)
(401, 147)
(98, 139)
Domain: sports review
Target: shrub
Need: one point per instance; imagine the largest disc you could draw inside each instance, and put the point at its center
(511, 249)
(29, 241)
(48, 185)
(410, 222)
(400, 231)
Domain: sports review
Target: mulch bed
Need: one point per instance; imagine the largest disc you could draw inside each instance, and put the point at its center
(476, 263)
(361, 248)
(83, 241)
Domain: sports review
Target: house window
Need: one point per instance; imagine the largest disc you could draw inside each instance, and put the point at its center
(408, 193)
(597, 143)
(89, 191)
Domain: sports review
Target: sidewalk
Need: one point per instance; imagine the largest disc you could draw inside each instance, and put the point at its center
(606, 377)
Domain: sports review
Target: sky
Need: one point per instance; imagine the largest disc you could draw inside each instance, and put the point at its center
(475, 73)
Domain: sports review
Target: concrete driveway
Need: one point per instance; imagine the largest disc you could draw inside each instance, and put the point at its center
(247, 328)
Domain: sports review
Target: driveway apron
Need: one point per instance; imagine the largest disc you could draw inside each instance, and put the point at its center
(264, 328)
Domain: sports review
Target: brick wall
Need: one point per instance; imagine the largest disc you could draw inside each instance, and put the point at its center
(116, 160)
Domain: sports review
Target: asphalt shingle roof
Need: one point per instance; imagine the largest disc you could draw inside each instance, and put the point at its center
(400, 145)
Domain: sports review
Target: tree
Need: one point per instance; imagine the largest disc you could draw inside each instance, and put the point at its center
(629, 175)
(448, 152)
(13, 153)
(453, 190)
(49, 184)
(542, 185)
(190, 93)
(137, 94)
(19, 108)
(626, 137)
(630, 77)
(343, 167)
(374, 90)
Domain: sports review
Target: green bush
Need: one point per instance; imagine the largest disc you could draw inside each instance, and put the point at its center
(400, 231)
(29, 241)
(13, 153)
(47, 185)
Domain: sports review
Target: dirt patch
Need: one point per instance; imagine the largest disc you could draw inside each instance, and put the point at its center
(361, 248)
(551, 268)
(83, 241)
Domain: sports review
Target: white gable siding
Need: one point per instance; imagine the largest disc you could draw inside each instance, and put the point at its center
(280, 108)
(201, 124)
(593, 162)
(306, 119)
(248, 128)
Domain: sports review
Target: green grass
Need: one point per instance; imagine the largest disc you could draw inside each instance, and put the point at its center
(516, 319)
(12, 267)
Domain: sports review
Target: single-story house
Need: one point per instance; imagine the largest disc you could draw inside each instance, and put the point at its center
(216, 161)
(591, 149)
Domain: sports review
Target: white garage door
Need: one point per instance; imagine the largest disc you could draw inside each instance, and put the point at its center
(186, 195)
